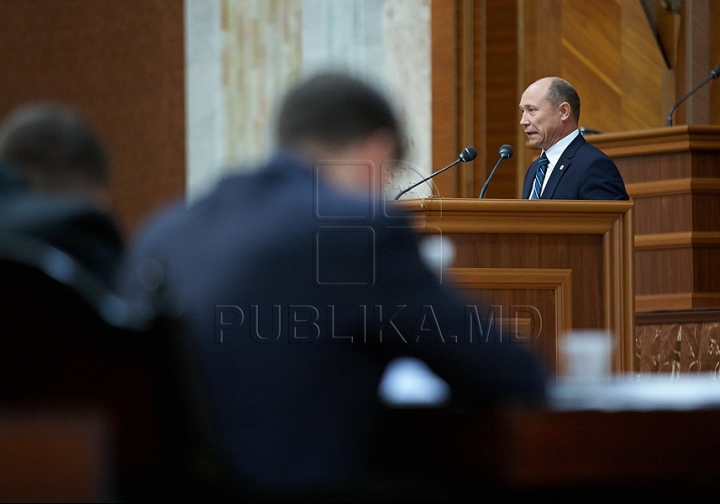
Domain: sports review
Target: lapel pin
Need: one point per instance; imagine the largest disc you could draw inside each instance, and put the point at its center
(562, 166)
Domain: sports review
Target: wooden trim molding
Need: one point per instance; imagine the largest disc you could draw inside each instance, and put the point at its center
(674, 186)
(503, 216)
(699, 316)
(557, 280)
(690, 137)
(676, 301)
(687, 239)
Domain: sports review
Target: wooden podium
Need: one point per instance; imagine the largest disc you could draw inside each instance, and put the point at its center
(543, 267)
(673, 176)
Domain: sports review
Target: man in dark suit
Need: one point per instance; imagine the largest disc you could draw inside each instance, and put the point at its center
(569, 167)
(299, 283)
(54, 173)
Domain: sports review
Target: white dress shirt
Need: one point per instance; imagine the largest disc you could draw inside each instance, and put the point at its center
(553, 154)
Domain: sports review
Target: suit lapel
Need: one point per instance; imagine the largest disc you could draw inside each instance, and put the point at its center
(563, 165)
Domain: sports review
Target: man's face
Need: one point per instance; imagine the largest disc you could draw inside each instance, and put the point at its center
(541, 122)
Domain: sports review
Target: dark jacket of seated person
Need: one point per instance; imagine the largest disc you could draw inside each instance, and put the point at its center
(54, 173)
(80, 229)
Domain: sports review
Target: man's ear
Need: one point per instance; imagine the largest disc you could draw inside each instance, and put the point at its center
(565, 111)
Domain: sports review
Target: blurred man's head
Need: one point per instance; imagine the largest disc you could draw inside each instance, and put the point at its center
(550, 109)
(335, 117)
(56, 150)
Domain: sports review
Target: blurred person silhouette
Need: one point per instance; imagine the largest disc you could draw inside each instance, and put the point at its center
(68, 339)
(54, 174)
(569, 167)
(298, 283)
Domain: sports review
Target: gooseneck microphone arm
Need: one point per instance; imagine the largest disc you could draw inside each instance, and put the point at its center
(713, 75)
(505, 152)
(468, 154)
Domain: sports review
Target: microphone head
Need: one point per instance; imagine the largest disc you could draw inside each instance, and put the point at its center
(468, 154)
(715, 72)
(506, 151)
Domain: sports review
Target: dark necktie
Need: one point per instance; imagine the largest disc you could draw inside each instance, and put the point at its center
(539, 177)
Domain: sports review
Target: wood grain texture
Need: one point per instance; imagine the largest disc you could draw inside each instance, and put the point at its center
(714, 61)
(543, 291)
(515, 239)
(673, 176)
(497, 102)
(676, 302)
(658, 140)
(122, 64)
(467, 63)
(445, 141)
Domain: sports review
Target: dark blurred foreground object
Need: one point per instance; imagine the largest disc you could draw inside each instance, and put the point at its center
(54, 178)
(634, 438)
(57, 150)
(92, 386)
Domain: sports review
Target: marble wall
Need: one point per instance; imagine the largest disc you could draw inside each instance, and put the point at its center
(242, 55)
(204, 117)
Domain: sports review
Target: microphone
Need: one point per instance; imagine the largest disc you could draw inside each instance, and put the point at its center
(714, 73)
(505, 152)
(468, 154)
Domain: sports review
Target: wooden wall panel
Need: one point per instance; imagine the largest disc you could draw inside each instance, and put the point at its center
(714, 61)
(475, 55)
(470, 69)
(699, 53)
(679, 261)
(645, 77)
(706, 260)
(496, 105)
(591, 59)
(649, 167)
(445, 142)
(706, 208)
(649, 208)
(676, 192)
(122, 64)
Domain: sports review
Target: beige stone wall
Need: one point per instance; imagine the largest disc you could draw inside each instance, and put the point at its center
(261, 59)
(242, 55)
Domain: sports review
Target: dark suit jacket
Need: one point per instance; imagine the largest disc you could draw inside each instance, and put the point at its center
(583, 172)
(295, 298)
(88, 235)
